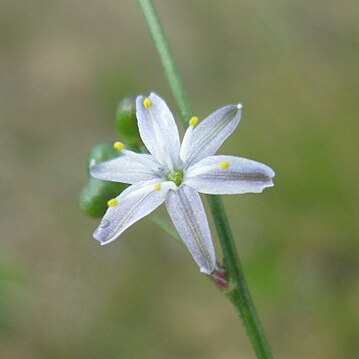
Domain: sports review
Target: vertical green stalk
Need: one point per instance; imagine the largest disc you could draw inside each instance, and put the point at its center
(238, 293)
(167, 59)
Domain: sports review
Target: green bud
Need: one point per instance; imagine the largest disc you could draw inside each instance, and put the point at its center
(102, 152)
(96, 193)
(126, 121)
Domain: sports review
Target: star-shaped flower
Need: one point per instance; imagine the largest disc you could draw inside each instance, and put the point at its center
(174, 173)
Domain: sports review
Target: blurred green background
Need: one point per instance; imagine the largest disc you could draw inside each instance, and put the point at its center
(64, 65)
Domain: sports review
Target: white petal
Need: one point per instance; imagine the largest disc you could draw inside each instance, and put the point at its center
(208, 136)
(241, 176)
(186, 143)
(134, 203)
(158, 130)
(187, 213)
(130, 168)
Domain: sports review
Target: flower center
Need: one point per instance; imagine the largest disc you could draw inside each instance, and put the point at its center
(176, 177)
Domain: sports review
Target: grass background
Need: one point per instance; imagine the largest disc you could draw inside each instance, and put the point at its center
(64, 66)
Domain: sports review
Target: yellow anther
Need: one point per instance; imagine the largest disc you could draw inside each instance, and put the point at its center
(112, 202)
(118, 145)
(157, 186)
(193, 121)
(224, 165)
(147, 102)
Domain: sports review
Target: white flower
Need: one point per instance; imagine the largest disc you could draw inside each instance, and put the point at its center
(174, 173)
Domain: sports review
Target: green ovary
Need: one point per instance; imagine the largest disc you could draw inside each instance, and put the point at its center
(176, 177)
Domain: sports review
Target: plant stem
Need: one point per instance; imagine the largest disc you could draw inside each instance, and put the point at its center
(238, 293)
(167, 59)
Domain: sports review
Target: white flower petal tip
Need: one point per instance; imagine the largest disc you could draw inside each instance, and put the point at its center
(239, 106)
(206, 270)
(99, 241)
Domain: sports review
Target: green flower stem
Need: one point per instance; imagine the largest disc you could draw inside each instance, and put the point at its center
(238, 293)
(167, 59)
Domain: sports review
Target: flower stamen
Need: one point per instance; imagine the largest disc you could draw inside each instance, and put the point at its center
(112, 202)
(193, 121)
(224, 165)
(147, 102)
(118, 146)
(157, 187)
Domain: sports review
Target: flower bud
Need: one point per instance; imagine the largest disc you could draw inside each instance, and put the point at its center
(96, 193)
(126, 121)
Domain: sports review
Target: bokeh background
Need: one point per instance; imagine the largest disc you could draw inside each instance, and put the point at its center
(64, 66)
